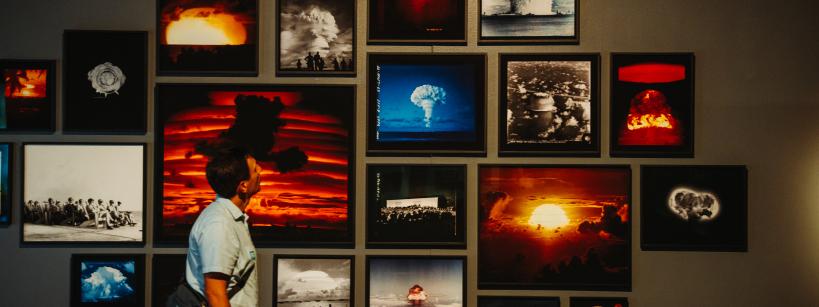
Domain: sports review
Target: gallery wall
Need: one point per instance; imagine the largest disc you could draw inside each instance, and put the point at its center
(756, 104)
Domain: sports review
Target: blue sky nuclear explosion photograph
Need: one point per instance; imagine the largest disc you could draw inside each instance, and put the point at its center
(426, 103)
(107, 281)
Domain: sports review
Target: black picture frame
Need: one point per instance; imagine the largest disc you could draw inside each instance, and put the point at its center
(556, 93)
(665, 81)
(28, 118)
(347, 13)
(720, 228)
(105, 82)
(390, 24)
(331, 103)
(518, 301)
(138, 285)
(415, 262)
(504, 22)
(599, 195)
(350, 258)
(167, 272)
(418, 181)
(598, 301)
(99, 163)
(466, 131)
(224, 60)
(6, 182)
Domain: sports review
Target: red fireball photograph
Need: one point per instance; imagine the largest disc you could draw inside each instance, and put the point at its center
(27, 103)
(302, 137)
(417, 22)
(207, 37)
(652, 105)
(555, 227)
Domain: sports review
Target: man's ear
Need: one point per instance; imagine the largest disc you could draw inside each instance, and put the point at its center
(242, 188)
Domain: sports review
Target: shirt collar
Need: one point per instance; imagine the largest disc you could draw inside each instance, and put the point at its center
(234, 211)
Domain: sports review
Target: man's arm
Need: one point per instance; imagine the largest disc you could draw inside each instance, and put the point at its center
(216, 289)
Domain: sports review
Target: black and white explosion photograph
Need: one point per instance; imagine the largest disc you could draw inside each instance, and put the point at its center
(549, 102)
(83, 193)
(316, 36)
(308, 282)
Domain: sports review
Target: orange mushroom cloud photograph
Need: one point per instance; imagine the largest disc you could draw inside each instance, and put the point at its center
(652, 105)
(207, 37)
(27, 103)
(302, 137)
(554, 227)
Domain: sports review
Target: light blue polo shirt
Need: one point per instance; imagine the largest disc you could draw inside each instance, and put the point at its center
(220, 242)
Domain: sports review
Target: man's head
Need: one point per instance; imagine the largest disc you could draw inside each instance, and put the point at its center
(233, 171)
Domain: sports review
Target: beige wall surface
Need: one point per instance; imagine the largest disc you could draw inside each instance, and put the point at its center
(757, 100)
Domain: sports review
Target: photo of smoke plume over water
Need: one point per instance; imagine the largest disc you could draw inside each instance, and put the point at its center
(426, 103)
(301, 137)
(416, 281)
(528, 18)
(309, 282)
(554, 227)
(316, 36)
(694, 208)
(415, 205)
(107, 280)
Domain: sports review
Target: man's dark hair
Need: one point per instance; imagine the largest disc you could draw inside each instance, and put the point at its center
(226, 168)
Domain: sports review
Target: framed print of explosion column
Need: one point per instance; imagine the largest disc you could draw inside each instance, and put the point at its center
(529, 22)
(556, 227)
(28, 97)
(207, 37)
(550, 104)
(416, 22)
(83, 193)
(107, 280)
(416, 206)
(316, 38)
(426, 105)
(303, 138)
(312, 280)
(105, 79)
(652, 105)
(5, 182)
(415, 281)
(694, 208)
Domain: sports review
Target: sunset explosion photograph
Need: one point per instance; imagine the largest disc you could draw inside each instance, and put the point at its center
(554, 227)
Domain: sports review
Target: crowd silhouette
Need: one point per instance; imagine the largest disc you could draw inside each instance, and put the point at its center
(80, 213)
(314, 62)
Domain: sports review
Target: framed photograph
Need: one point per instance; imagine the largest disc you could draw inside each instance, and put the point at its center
(107, 280)
(303, 137)
(167, 272)
(28, 97)
(6, 150)
(652, 105)
(529, 22)
(598, 302)
(518, 301)
(554, 227)
(313, 280)
(105, 82)
(416, 206)
(316, 38)
(550, 104)
(92, 193)
(207, 38)
(439, 22)
(426, 105)
(694, 208)
(416, 281)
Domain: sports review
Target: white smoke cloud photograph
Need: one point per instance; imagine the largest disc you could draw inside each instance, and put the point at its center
(316, 37)
(313, 281)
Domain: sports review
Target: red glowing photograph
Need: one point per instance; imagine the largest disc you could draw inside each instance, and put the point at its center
(207, 37)
(652, 105)
(302, 137)
(555, 227)
(27, 103)
(417, 22)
